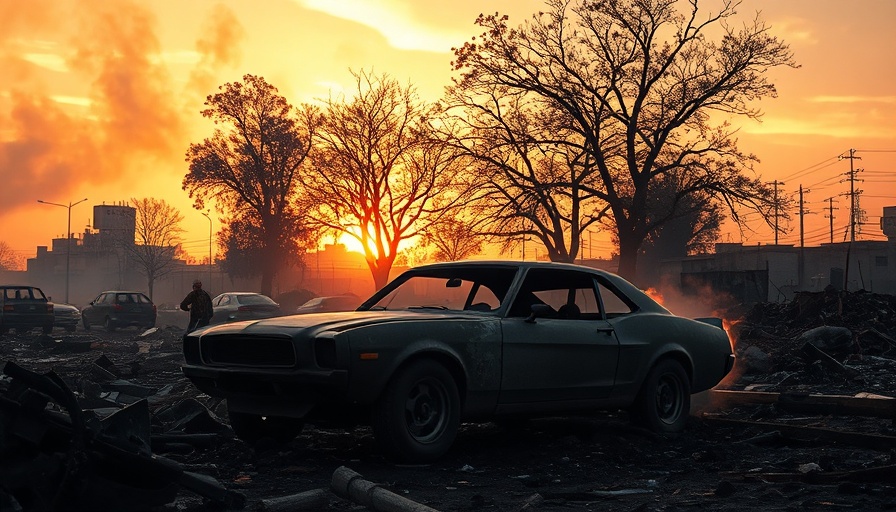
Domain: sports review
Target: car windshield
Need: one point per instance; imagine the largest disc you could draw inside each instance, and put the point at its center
(455, 289)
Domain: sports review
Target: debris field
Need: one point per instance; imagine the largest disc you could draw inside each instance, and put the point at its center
(97, 420)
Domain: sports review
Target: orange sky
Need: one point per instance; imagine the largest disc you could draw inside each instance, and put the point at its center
(100, 99)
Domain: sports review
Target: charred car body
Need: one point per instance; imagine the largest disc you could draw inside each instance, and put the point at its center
(463, 341)
(24, 308)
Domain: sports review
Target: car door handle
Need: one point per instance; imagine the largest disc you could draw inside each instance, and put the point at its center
(607, 330)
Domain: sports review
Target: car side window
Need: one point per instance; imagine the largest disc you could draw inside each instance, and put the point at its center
(614, 304)
(570, 294)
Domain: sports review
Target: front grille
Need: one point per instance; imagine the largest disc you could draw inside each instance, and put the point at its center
(247, 350)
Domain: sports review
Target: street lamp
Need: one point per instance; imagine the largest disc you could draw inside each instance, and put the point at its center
(68, 237)
(207, 216)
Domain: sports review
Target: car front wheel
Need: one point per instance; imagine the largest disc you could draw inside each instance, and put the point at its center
(417, 416)
(252, 428)
(664, 402)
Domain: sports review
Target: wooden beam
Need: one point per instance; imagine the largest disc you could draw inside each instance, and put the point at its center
(867, 405)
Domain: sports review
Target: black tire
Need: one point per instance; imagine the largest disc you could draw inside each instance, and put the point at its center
(418, 414)
(109, 324)
(47, 329)
(86, 323)
(664, 402)
(252, 428)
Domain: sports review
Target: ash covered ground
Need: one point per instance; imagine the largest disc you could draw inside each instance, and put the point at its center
(801, 424)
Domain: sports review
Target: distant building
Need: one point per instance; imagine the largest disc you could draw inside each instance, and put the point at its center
(775, 272)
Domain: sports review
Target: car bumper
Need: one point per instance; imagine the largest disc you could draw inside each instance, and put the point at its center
(284, 393)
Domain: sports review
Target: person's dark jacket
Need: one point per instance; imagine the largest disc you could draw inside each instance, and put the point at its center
(199, 303)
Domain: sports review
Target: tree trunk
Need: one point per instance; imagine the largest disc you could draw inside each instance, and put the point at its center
(629, 243)
(380, 275)
(267, 282)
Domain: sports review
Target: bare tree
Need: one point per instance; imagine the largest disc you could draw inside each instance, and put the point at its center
(646, 91)
(535, 179)
(9, 260)
(157, 237)
(454, 240)
(251, 171)
(380, 174)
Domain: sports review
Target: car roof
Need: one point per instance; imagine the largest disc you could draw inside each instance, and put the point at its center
(644, 301)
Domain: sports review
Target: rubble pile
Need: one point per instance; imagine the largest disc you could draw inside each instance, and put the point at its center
(807, 420)
(830, 342)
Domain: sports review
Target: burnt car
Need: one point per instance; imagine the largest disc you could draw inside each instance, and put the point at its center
(119, 308)
(460, 342)
(330, 303)
(24, 308)
(66, 316)
(235, 306)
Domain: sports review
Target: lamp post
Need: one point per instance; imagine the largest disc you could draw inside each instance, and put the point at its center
(207, 216)
(68, 238)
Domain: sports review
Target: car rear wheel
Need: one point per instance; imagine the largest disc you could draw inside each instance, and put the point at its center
(109, 324)
(417, 416)
(252, 428)
(664, 402)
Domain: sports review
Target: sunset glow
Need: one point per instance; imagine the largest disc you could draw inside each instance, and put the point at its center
(101, 99)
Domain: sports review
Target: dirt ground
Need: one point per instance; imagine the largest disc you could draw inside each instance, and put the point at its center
(731, 457)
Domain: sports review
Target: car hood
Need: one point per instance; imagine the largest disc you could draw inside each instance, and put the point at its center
(334, 321)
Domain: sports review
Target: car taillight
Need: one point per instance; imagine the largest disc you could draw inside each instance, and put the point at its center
(153, 308)
(8, 307)
(244, 308)
(49, 308)
(117, 307)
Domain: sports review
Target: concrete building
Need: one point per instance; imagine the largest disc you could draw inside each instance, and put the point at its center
(775, 272)
(94, 261)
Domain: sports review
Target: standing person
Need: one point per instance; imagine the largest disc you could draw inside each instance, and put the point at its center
(199, 303)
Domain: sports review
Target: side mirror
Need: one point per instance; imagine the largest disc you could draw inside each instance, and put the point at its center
(538, 310)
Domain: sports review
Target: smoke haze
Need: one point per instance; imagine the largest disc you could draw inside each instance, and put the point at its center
(122, 119)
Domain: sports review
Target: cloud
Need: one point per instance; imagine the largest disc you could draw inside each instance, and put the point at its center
(853, 99)
(217, 47)
(51, 61)
(395, 21)
(88, 112)
(842, 126)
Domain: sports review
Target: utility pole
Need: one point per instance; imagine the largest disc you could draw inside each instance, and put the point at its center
(776, 183)
(803, 211)
(853, 198)
(209, 217)
(831, 215)
(802, 264)
(68, 238)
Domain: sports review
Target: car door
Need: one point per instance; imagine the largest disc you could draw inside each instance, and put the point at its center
(95, 312)
(561, 355)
